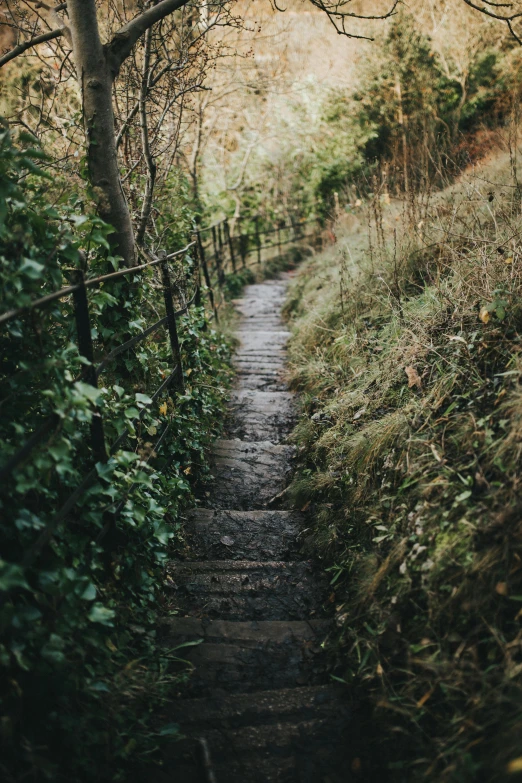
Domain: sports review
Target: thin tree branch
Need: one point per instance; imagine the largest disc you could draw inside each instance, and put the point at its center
(127, 36)
(166, 69)
(508, 19)
(23, 47)
(145, 142)
(337, 12)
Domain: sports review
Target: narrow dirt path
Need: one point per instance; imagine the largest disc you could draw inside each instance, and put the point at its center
(259, 698)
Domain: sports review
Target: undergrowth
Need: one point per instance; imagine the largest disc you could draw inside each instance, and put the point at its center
(82, 673)
(406, 351)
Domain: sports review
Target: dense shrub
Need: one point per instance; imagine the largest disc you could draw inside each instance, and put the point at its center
(410, 121)
(81, 668)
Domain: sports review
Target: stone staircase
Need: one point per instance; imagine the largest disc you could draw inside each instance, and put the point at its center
(260, 707)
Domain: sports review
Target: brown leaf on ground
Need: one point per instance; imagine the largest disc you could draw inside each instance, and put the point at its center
(484, 315)
(413, 377)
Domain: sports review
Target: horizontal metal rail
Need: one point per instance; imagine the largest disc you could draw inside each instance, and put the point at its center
(141, 336)
(89, 283)
(227, 250)
(53, 419)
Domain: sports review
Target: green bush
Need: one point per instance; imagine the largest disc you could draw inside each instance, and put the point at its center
(81, 666)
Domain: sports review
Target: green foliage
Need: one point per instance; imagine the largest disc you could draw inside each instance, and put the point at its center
(414, 118)
(81, 667)
(235, 282)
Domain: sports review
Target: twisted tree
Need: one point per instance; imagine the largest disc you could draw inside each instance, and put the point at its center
(168, 40)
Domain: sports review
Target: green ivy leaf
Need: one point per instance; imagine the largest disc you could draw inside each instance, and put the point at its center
(144, 399)
(101, 614)
(11, 576)
(91, 393)
(89, 594)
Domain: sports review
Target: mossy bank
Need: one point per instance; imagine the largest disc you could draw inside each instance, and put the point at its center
(406, 351)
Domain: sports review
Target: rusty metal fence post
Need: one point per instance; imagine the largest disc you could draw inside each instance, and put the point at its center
(171, 321)
(203, 263)
(230, 245)
(258, 239)
(83, 328)
(243, 244)
(221, 247)
(217, 256)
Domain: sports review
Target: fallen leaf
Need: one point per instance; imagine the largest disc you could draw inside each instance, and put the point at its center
(484, 315)
(435, 453)
(359, 413)
(379, 670)
(163, 409)
(508, 260)
(187, 470)
(356, 765)
(422, 701)
(227, 541)
(501, 588)
(306, 505)
(413, 377)
(515, 765)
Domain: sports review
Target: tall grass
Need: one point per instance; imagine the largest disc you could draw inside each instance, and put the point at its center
(406, 351)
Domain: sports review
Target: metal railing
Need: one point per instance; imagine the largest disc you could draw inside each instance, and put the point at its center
(226, 251)
(221, 255)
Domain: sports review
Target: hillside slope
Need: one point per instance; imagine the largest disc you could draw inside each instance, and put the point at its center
(406, 349)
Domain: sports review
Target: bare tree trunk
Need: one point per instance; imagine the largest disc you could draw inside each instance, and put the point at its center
(95, 77)
(97, 67)
(149, 160)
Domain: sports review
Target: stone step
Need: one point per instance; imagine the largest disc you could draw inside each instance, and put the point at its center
(271, 370)
(266, 324)
(243, 535)
(247, 475)
(261, 381)
(259, 415)
(248, 656)
(275, 359)
(268, 289)
(252, 310)
(246, 590)
(273, 706)
(258, 366)
(299, 735)
(251, 306)
(250, 339)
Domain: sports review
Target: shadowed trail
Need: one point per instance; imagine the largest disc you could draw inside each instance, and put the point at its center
(259, 697)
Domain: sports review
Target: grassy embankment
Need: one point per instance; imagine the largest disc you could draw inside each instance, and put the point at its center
(406, 351)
